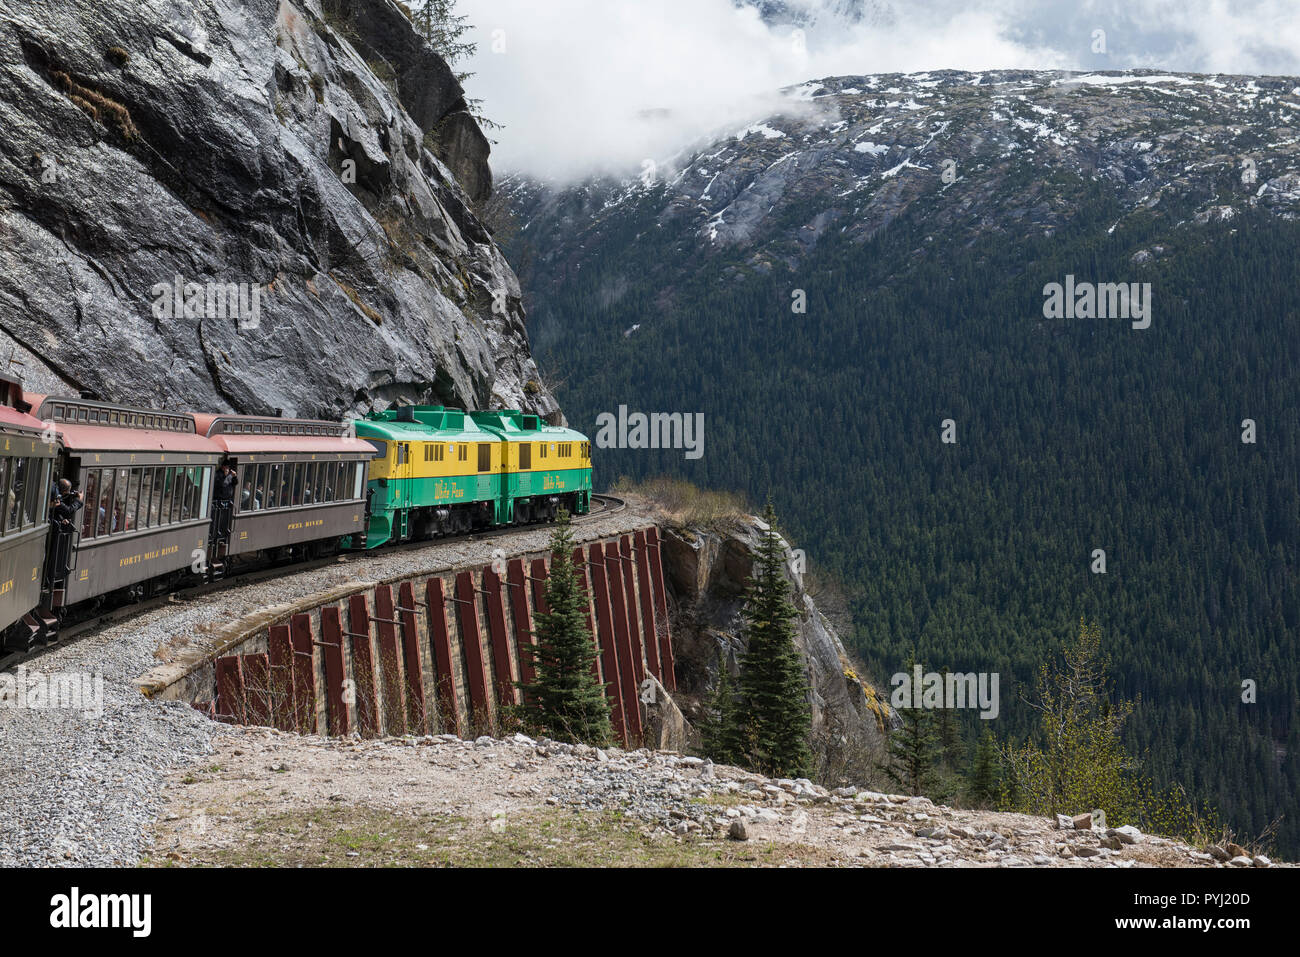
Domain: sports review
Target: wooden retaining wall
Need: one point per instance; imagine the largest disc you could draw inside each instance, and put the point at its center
(441, 653)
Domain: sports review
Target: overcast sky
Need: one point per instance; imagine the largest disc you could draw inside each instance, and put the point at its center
(587, 86)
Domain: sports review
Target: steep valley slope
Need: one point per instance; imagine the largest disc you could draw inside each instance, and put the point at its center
(852, 291)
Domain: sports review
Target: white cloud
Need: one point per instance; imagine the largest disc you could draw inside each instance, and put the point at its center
(586, 86)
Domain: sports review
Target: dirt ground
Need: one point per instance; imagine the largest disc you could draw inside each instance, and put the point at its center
(265, 798)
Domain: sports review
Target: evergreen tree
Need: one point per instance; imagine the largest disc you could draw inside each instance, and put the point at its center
(720, 732)
(772, 711)
(444, 30)
(983, 787)
(914, 748)
(565, 699)
(947, 726)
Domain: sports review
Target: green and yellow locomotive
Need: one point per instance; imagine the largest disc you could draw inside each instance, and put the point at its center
(440, 471)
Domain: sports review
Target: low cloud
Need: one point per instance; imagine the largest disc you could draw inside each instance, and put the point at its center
(594, 86)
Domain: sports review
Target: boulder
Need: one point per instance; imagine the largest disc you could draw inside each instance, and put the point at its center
(664, 724)
(1128, 834)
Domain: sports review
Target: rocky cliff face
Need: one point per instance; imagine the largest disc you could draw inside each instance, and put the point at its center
(309, 159)
(707, 571)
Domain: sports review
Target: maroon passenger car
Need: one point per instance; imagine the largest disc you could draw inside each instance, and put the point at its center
(301, 482)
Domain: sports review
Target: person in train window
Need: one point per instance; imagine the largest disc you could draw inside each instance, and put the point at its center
(16, 488)
(226, 484)
(105, 504)
(64, 506)
(90, 520)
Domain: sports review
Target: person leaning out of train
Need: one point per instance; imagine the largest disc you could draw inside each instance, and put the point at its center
(65, 504)
(227, 483)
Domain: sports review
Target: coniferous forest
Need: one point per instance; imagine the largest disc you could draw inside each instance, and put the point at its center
(1071, 435)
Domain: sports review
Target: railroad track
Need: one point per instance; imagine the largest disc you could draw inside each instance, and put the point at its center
(602, 506)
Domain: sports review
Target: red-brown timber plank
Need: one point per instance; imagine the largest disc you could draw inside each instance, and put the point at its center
(523, 619)
(471, 643)
(646, 598)
(336, 711)
(280, 653)
(629, 593)
(661, 610)
(230, 690)
(541, 572)
(608, 642)
(496, 606)
(393, 712)
(626, 665)
(304, 675)
(411, 658)
(256, 669)
(580, 569)
(363, 667)
(447, 705)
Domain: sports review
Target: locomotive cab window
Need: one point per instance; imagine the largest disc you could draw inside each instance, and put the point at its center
(484, 457)
(525, 455)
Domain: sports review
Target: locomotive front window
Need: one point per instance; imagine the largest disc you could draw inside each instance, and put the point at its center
(380, 447)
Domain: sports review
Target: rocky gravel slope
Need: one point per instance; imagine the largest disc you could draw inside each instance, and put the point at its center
(268, 797)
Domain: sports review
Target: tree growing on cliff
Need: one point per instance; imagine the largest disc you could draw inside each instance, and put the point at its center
(565, 699)
(444, 31)
(772, 713)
